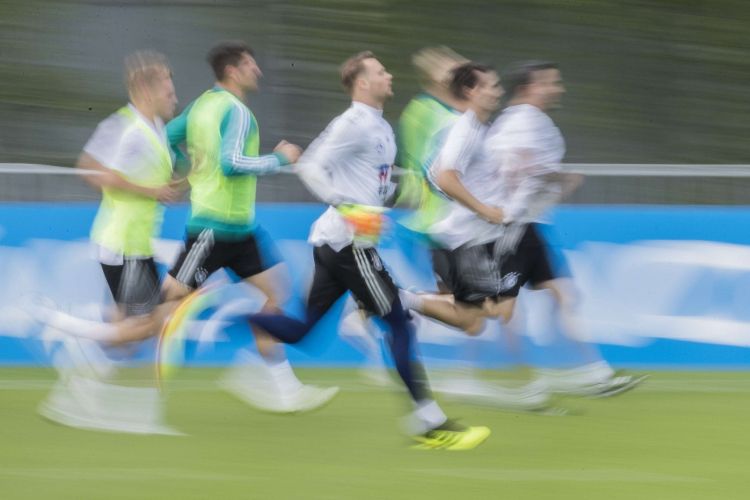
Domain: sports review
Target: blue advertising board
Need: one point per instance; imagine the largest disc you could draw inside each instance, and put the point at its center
(657, 286)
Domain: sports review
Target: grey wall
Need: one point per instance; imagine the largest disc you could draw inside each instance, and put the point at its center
(648, 82)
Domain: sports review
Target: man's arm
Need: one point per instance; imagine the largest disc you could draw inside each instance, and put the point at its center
(449, 182)
(177, 134)
(341, 139)
(570, 183)
(450, 164)
(236, 128)
(100, 177)
(532, 180)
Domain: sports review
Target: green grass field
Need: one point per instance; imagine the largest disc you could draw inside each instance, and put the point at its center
(680, 436)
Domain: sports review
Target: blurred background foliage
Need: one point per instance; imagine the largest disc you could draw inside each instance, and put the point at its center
(648, 81)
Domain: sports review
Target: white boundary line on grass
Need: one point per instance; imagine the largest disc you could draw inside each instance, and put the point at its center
(709, 385)
(567, 475)
(121, 474)
(501, 475)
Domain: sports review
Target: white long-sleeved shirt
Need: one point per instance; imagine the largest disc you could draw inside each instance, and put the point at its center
(349, 162)
(528, 146)
(238, 124)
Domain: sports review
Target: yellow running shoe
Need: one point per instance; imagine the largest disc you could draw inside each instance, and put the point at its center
(452, 436)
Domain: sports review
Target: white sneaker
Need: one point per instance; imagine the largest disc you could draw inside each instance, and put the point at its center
(310, 397)
(615, 385)
(257, 397)
(598, 384)
(528, 398)
(92, 405)
(266, 398)
(250, 382)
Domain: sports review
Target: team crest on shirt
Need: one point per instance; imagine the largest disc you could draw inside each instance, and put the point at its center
(376, 262)
(384, 171)
(509, 281)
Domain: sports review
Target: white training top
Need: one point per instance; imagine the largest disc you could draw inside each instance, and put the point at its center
(122, 146)
(464, 152)
(528, 146)
(349, 162)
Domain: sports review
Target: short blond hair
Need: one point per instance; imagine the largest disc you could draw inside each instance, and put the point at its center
(144, 67)
(353, 67)
(434, 64)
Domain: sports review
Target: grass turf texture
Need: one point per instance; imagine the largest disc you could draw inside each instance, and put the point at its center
(680, 436)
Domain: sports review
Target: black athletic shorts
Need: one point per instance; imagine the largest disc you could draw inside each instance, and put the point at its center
(475, 273)
(359, 270)
(471, 273)
(203, 255)
(134, 285)
(531, 263)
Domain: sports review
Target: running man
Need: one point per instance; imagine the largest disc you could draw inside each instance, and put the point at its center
(420, 131)
(473, 216)
(130, 161)
(349, 167)
(528, 148)
(222, 138)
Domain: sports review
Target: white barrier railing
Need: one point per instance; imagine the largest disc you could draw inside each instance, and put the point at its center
(592, 169)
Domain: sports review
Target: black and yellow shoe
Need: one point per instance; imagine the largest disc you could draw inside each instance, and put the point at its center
(452, 436)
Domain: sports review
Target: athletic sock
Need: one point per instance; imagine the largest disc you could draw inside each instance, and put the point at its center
(283, 376)
(79, 327)
(411, 300)
(428, 415)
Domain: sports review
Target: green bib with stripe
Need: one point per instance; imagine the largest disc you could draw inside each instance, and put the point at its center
(220, 202)
(421, 121)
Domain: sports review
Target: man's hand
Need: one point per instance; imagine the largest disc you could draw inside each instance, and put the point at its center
(570, 183)
(181, 184)
(291, 152)
(168, 193)
(492, 214)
